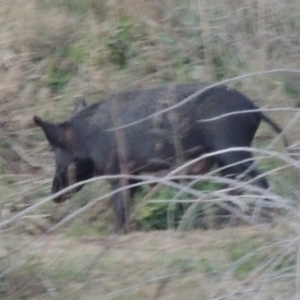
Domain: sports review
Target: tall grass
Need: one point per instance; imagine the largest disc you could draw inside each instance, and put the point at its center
(54, 51)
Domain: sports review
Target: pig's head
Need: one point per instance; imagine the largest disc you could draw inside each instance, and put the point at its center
(72, 163)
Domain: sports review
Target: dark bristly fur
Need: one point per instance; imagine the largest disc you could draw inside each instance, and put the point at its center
(88, 145)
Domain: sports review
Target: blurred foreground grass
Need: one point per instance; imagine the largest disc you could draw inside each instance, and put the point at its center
(54, 51)
(234, 262)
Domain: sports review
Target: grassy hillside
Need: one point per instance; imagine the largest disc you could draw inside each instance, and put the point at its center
(52, 52)
(235, 263)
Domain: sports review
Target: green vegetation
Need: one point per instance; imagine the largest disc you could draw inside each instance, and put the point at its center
(55, 51)
(164, 213)
(120, 43)
(247, 256)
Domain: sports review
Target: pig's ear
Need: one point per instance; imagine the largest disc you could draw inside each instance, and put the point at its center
(80, 104)
(54, 133)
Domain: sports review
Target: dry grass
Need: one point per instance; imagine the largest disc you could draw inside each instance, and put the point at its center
(54, 51)
(157, 265)
(74, 262)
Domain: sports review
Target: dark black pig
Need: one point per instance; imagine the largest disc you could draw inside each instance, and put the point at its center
(88, 144)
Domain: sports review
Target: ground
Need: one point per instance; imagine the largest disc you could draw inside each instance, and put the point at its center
(53, 52)
(233, 262)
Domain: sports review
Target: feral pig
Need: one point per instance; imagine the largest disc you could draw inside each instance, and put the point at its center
(92, 143)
